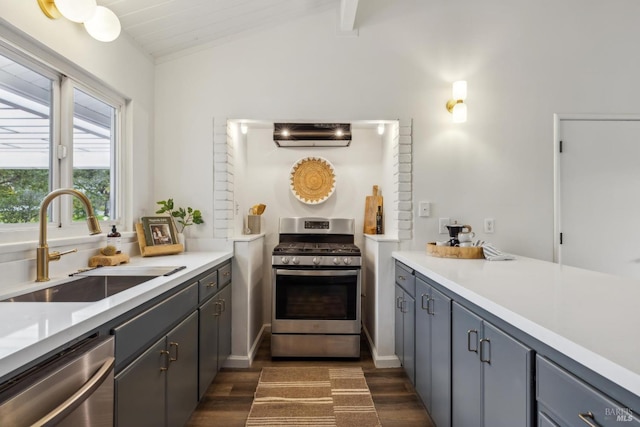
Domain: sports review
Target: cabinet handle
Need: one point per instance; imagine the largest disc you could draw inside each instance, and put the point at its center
(398, 299)
(430, 306)
(173, 359)
(422, 302)
(212, 284)
(226, 273)
(403, 306)
(482, 359)
(223, 307)
(401, 277)
(165, 353)
(589, 419)
(218, 309)
(469, 332)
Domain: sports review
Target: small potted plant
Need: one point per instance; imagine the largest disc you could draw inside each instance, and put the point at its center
(184, 217)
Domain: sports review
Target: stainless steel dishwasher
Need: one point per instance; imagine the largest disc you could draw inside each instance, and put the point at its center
(74, 388)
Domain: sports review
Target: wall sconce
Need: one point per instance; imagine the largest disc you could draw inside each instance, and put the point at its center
(456, 106)
(101, 23)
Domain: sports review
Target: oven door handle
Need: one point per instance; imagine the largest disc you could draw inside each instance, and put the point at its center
(314, 272)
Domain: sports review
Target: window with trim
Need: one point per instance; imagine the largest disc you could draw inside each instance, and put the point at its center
(55, 132)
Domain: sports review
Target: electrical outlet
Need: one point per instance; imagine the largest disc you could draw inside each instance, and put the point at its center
(489, 225)
(442, 225)
(424, 209)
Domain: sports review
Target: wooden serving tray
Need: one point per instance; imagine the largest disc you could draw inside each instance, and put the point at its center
(473, 252)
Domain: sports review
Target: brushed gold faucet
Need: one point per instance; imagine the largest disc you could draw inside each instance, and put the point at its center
(43, 256)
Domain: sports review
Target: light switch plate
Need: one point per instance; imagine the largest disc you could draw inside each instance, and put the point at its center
(442, 225)
(424, 209)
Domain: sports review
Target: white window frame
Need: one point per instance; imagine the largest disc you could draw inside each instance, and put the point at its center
(61, 175)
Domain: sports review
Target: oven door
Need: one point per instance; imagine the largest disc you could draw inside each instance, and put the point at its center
(316, 301)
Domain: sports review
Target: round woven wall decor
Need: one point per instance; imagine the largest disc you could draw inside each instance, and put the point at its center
(312, 180)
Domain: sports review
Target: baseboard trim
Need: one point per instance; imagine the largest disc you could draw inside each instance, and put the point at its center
(390, 361)
(234, 361)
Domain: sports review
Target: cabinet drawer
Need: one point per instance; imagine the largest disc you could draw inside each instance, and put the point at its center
(208, 286)
(565, 397)
(406, 279)
(136, 334)
(224, 275)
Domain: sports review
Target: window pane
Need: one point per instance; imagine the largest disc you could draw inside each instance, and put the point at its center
(93, 139)
(25, 141)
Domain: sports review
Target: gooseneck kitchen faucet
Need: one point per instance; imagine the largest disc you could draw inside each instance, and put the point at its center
(43, 256)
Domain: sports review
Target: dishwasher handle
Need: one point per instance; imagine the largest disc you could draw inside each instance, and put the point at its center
(75, 400)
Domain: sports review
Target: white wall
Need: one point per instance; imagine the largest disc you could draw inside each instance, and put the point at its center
(523, 62)
(267, 170)
(119, 65)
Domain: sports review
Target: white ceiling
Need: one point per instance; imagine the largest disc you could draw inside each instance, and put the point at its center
(169, 27)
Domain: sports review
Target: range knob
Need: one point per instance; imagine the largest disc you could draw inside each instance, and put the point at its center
(336, 261)
(316, 260)
(285, 260)
(347, 261)
(296, 260)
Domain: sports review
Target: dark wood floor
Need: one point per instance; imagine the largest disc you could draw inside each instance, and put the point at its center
(228, 399)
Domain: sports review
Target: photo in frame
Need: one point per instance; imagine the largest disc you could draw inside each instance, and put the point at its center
(159, 230)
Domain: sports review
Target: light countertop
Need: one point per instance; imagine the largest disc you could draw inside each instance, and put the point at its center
(590, 317)
(29, 330)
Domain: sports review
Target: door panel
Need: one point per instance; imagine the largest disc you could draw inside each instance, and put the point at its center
(598, 178)
(466, 377)
(182, 376)
(140, 390)
(508, 387)
(440, 359)
(423, 344)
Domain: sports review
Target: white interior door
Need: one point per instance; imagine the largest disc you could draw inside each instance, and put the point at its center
(598, 199)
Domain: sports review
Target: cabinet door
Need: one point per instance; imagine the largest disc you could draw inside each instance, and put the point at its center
(440, 306)
(182, 375)
(409, 336)
(224, 326)
(466, 375)
(140, 389)
(508, 386)
(423, 343)
(399, 345)
(208, 349)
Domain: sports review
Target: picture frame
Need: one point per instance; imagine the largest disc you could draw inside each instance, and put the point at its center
(159, 230)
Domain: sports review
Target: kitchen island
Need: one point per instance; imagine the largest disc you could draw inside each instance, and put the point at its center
(583, 320)
(30, 331)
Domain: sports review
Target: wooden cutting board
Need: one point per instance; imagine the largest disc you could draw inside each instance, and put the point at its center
(370, 208)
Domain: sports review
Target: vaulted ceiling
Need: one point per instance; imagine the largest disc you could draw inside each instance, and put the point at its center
(169, 27)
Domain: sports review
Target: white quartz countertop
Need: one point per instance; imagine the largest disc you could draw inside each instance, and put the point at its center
(29, 330)
(592, 318)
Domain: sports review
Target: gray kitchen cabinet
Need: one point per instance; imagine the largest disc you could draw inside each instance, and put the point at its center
(492, 381)
(433, 351)
(159, 387)
(215, 337)
(566, 400)
(405, 315)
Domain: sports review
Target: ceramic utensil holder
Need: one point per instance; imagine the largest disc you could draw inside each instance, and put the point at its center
(253, 224)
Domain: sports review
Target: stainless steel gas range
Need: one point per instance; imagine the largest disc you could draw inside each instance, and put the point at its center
(316, 289)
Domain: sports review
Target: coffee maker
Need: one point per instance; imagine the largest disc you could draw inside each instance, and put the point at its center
(454, 229)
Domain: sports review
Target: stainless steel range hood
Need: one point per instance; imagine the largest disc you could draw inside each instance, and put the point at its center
(312, 134)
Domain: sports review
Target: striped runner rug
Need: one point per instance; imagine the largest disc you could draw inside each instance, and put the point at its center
(315, 396)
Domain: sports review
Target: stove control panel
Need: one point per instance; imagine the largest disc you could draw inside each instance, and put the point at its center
(316, 261)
